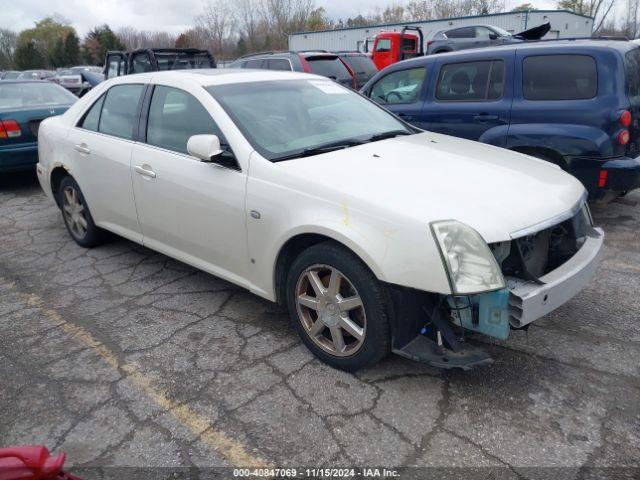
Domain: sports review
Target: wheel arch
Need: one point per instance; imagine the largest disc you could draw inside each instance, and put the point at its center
(300, 241)
(58, 173)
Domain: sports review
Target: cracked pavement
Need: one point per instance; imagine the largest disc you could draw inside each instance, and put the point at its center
(120, 356)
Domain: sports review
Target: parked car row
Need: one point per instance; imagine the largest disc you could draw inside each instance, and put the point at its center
(352, 69)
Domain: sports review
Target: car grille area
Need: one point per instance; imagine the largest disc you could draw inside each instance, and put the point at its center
(533, 256)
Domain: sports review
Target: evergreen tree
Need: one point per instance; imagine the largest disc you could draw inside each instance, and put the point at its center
(71, 50)
(28, 57)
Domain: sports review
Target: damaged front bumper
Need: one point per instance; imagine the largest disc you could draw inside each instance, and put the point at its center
(430, 328)
(530, 300)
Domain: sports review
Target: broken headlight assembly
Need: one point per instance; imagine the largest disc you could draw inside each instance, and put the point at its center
(470, 265)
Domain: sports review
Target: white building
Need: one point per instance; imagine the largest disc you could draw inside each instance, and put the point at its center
(564, 24)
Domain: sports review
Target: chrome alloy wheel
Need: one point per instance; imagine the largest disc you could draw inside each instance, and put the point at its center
(331, 310)
(73, 212)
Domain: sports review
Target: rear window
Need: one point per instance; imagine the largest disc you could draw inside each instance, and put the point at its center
(559, 77)
(360, 64)
(330, 67)
(632, 60)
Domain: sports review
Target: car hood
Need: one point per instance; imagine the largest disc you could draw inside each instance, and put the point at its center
(535, 33)
(430, 177)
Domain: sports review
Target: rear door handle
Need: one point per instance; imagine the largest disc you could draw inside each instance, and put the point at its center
(485, 117)
(145, 170)
(82, 148)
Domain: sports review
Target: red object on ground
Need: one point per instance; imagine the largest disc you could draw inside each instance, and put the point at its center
(32, 463)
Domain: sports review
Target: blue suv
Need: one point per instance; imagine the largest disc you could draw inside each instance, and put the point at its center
(575, 103)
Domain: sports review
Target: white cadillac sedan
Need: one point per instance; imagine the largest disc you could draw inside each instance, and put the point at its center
(378, 237)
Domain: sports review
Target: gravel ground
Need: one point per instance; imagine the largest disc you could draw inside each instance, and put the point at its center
(123, 357)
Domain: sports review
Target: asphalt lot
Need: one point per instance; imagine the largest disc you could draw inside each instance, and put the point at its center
(123, 357)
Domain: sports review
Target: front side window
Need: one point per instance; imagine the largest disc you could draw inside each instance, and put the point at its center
(120, 111)
(403, 86)
(296, 117)
(174, 116)
(559, 77)
(471, 81)
(114, 68)
(383, 45)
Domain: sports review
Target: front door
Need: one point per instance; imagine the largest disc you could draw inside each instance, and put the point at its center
(472, 99)
(191, 210)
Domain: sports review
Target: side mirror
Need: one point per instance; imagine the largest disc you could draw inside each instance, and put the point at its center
(493, 36)
(204, 147)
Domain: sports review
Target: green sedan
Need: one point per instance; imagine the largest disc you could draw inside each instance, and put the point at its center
(23, 105)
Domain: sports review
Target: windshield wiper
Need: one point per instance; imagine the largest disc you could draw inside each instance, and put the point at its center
(329, 147)
(389, 134)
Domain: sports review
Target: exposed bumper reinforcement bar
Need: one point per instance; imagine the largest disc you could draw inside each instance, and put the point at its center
(530, 300)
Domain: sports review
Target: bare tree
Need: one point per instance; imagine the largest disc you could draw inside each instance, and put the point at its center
(218, 19)
(133, 38)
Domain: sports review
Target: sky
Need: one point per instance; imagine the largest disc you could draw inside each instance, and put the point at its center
(170, 15)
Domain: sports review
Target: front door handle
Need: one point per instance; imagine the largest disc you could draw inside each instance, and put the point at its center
(145, 170)
(82, 148)
(485, 117)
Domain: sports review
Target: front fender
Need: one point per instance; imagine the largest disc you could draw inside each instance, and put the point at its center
(568, 140)
(399, 251)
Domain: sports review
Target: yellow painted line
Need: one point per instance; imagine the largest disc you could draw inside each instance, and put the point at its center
(231, 449)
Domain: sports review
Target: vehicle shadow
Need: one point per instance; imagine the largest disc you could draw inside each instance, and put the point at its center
(18, 181)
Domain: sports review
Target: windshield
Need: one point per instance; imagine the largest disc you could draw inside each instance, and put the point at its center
(291, 117)
(17, 95)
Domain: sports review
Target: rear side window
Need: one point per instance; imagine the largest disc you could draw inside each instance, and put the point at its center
(91, 119)
(361, 64)
(174, 116)
(330, 67)
(466, 32)
(278, 64)
(471, 81)
(632, 60)
(559, 77)
(255, 63)
(402, 86)
(120, 111)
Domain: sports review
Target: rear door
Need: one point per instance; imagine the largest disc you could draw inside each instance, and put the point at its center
(472, 99)
(102, 144)
(403, 91)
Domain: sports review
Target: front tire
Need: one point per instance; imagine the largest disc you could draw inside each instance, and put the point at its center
(76, 215)
(338, 307)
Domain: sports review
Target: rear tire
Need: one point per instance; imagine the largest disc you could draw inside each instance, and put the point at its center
(338, 307)
(76, 215)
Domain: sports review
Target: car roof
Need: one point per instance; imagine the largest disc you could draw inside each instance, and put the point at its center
(218, 76)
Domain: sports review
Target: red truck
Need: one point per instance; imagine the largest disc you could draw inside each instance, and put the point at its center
(392, 47)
